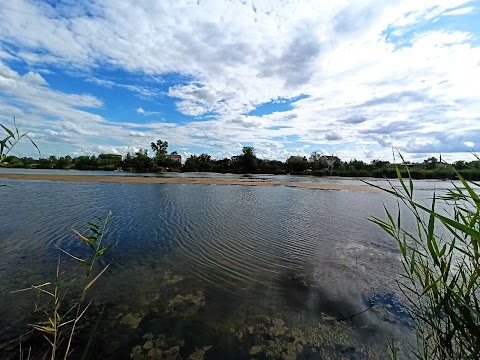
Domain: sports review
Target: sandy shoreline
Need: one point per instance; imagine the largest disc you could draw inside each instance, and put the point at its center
(192, 180)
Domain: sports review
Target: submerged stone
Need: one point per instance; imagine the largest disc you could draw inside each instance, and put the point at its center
(148, 345)
(132, 320)
(276, 328)
(268, 337)
(171, 279)
(199, 354)
(186, 305)
(254, 350)
(162, 347)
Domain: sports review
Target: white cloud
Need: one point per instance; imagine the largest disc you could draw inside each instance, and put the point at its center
(51, 132)
(74, 128)
(34, 78)
(143, 112)
(141, 91)
(461, 11)
(362, 89)
(137, 134)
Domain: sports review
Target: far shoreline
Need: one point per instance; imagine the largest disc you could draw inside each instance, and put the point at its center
(182, 180)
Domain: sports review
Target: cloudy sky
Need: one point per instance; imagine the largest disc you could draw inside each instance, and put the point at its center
(351, 78)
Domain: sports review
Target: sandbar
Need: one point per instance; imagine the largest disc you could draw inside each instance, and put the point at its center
(245, 181)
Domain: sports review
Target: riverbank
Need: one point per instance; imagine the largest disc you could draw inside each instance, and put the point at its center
(184, 180)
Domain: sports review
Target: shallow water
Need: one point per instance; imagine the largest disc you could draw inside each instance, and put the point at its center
(233, 271)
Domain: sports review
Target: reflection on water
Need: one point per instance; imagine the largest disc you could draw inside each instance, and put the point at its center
(214, 272)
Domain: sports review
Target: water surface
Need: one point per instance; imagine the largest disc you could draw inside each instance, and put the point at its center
(224, 268)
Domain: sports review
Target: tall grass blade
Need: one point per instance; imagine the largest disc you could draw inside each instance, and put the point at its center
(96, 278)
(9, 132)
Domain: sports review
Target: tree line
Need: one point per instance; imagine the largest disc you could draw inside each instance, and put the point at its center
(247, 162)
(139, 161)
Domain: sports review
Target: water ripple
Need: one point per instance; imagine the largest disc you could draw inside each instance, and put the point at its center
(248, 241)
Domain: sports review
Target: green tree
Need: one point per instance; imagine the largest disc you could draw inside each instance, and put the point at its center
(160, 148)
(204, 158)
(222, 165)
(431, 163)
(379, 164)
(316, 160)
(85, 163)
(67, 162)
(109, 161)
(459, 165)
(201, 162)
(474, 164)
(142, 162)
(297, 164)
(249, 159)
(356, 164)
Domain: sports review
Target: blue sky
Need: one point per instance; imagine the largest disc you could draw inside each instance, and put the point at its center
(350, 78)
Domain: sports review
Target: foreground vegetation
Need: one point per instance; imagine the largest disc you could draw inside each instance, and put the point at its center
(441, 279)
(60, 315)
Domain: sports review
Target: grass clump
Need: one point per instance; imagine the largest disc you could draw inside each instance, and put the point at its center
(61, 316)
(440, 258)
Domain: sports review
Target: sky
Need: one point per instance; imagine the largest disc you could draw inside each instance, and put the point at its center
(358, 79)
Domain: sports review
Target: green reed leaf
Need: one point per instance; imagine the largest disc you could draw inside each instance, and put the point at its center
(8, 131)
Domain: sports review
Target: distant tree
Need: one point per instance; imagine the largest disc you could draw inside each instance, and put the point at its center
(316, 160)
(460, 164)
(64, 162)
(205, 158)
(249, 159)
(160, 148)
(357, 164)
(378, 164)
(222, 165)
(68, 162)
(127, 162)
(191, 164)
(315, 156)
(474, 164)
(141, 161)
(297, 164)
(84, 163)
(431, 163)
(109, 161)
(201, 162)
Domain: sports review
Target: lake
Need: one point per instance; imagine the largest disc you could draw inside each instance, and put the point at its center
(214, 272)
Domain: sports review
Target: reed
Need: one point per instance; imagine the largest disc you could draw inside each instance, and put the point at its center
(11, 139)
(440, 260)
(62, 317)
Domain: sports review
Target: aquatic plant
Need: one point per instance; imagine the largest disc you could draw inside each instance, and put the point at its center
(440, 258)
(11, 140)
(61, 323)
(268, 337)
(160, 347)
(62, 316)
(186, 305)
